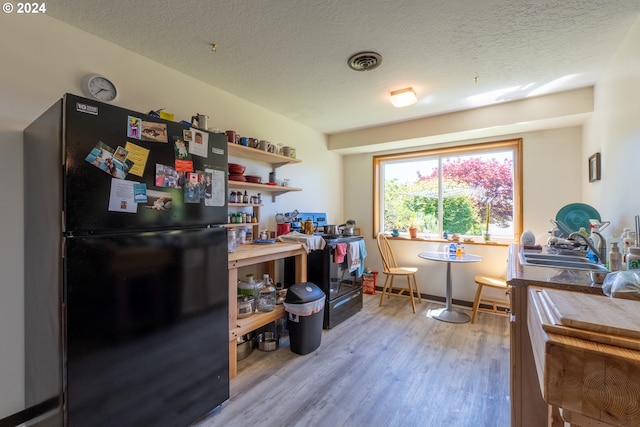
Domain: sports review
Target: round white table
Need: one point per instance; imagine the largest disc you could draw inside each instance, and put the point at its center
(448, 314)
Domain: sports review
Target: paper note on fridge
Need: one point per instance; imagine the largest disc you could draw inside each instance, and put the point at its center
(122, 196)
(138, 155)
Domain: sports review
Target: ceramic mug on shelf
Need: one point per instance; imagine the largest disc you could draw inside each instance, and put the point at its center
(286, 151)
(265, 145)
(231, 136)
(244, 141)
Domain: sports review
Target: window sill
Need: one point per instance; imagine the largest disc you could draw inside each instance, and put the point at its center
(475, 241)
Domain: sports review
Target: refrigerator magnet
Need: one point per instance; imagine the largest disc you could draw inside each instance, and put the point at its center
(133, 127)
(140, 192)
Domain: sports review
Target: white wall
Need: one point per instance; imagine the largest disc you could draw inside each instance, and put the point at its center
(552, 179)
(614, 131)
(43, 59)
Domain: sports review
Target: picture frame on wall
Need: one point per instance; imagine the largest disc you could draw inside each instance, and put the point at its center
(594, 167)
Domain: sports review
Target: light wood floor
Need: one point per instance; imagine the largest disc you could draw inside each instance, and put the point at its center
(383, 367)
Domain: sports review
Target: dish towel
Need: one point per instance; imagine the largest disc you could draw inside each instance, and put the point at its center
(353, 256)
(363, 255)
(309, 242)
(339, 253)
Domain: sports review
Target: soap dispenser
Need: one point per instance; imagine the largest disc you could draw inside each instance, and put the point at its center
(615, 258)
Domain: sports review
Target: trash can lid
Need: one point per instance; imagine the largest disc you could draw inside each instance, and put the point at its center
(303, 292)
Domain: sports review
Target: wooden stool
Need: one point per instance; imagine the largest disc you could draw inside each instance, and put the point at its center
(492, 282)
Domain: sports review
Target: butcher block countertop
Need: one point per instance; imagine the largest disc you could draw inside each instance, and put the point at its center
(254, 251)
(587, 355)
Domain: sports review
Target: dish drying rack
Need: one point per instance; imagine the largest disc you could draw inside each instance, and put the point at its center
(561, 230)
(560, 244)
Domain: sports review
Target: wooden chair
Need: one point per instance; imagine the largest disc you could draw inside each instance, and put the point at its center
(391, 270)
(492, 282)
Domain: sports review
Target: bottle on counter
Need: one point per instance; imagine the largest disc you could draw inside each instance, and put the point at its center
(615, 258)
(627, 242)
(452, 249)
(266, 295)
(633, 258)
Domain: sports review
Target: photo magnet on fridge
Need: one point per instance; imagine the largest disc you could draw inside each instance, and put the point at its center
(133, 127)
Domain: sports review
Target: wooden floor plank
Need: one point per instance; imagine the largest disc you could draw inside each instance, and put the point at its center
(386, 366)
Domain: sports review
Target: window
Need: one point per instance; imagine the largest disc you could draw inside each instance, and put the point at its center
(463, 190)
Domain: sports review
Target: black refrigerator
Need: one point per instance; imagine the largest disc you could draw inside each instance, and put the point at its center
(126, 279)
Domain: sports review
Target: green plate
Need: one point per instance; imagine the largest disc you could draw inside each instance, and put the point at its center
(577, 215)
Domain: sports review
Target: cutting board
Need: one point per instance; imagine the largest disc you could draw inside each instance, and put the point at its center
(596, 318)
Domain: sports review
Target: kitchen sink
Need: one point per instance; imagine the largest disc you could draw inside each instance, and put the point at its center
(570, 262)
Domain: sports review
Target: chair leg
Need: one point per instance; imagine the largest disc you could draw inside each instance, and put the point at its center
(415, 284)
(384, 287)
(476, 303)
(413, 303)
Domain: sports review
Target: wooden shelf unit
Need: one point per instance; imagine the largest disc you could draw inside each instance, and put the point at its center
(275, 160)
(255, 226)
(252, 254)
(263, 156)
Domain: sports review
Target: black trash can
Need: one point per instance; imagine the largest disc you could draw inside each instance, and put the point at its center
(304, 304)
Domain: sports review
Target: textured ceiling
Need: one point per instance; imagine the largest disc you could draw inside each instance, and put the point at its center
(291, 57)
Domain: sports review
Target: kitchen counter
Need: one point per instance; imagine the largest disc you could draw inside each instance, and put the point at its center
(250, 254)
(528, 408)
(587, 353)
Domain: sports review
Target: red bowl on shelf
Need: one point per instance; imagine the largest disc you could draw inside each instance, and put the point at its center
(236, 177)
(254, 178)
(236, 169)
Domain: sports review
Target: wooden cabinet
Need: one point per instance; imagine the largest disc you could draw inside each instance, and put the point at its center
(528, 408)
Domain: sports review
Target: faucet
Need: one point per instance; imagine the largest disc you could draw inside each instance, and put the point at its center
(601, 252)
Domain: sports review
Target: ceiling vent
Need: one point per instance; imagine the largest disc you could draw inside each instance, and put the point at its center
(365, 61)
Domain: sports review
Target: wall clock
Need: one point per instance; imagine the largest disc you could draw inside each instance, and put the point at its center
(99, 87)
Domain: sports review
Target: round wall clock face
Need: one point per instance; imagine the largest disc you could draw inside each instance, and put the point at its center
(99, 87)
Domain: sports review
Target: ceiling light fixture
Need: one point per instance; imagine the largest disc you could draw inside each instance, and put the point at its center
(403, 97)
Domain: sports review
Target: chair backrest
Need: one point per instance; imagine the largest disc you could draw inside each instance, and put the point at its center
(388, 259)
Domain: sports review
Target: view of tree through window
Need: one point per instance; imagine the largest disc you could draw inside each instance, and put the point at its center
(463, 190)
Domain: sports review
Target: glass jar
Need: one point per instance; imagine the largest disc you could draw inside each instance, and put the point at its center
(232, 242)
(249, 286)
(266, 295)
